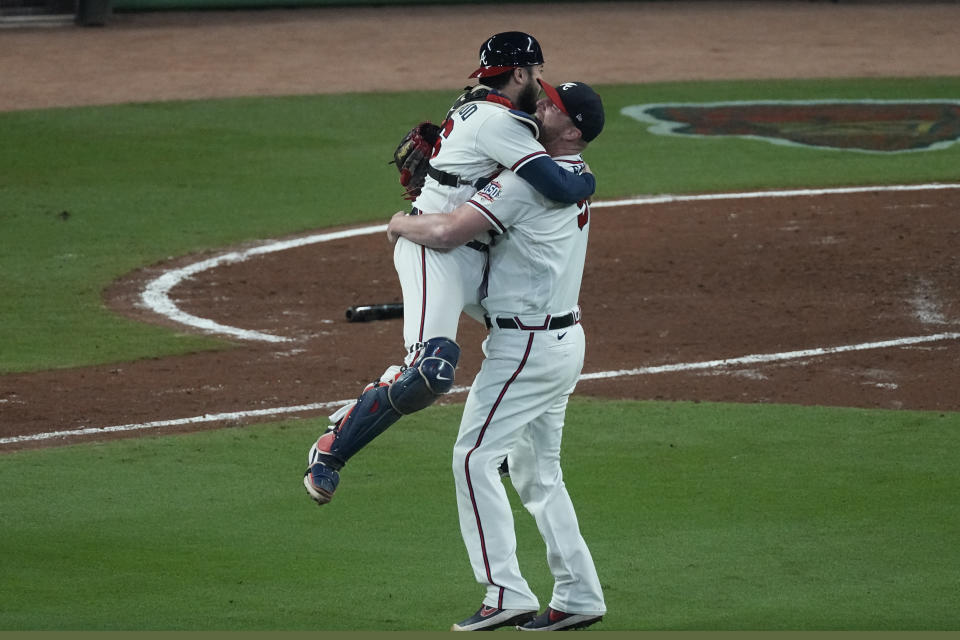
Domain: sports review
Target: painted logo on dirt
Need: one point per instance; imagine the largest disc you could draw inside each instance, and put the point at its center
(873, 126)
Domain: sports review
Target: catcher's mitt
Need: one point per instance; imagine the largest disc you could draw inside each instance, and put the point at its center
(412, 157)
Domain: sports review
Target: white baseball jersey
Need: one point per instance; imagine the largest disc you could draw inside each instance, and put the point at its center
(536, 264)
(476, 141)
(517, 403)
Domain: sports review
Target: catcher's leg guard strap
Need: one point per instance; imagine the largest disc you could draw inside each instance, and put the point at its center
(428, 378)
(370, 417)
(380, 406)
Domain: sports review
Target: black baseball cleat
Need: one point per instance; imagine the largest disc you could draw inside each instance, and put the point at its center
(321, 481)
(490, 618)
(553, 620)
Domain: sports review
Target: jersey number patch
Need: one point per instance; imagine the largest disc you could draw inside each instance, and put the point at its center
(447, 126)
(584, 216)
(445, 130)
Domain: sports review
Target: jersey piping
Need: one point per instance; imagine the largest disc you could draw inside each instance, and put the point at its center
(488, 215)
(524, 160)
(466, 464)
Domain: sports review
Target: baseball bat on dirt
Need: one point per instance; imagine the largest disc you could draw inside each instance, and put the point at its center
(368, 312)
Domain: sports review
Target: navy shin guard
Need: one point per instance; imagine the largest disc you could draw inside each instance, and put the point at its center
(379, 406)
(370, 417)
(429, 377)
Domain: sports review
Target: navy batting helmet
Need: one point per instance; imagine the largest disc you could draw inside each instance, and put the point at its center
(508, 50)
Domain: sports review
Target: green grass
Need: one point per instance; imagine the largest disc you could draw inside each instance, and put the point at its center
(140, 183)
(94, 193)
(627, 159)
(699, 517)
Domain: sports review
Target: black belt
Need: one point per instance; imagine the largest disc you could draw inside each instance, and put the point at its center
(450, 180)
(556, 322)
(476, 245)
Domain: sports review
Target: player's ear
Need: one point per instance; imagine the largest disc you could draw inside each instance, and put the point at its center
(572, 133)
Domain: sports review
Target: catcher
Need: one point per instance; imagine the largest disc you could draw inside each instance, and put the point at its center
(488, 128)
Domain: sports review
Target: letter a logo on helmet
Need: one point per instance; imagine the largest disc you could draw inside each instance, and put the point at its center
(506, 51)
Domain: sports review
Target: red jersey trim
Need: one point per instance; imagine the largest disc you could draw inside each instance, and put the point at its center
(488, 215)
(527, 158)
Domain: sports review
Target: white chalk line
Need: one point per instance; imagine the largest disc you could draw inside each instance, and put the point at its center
(640, 371)
(160, 287)
(159, 424)
(156, 295)
(772, 357)
(787, 193)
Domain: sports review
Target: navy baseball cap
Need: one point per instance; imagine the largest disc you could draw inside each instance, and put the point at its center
(581, 103)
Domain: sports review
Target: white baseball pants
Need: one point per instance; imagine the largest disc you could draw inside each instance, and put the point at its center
(437, 285)
(516, 406)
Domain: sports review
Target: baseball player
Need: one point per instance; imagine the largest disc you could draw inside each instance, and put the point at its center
(533, 358)
(489, 127)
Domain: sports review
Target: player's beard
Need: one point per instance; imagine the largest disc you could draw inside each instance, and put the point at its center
(527, 100)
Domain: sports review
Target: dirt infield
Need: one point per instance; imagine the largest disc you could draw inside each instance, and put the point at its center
(693, 282)
(157, 56)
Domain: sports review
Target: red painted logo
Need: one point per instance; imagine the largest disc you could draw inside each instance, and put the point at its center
(486, 612)
(876, 126)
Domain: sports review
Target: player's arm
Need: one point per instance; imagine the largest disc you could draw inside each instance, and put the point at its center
(555, 182)
(509, 139)
(439, 231)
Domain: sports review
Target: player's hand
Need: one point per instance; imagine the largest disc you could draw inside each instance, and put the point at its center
(586, 169)
(392, 235)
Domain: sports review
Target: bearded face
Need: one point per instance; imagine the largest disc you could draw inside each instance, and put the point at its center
(527, 100)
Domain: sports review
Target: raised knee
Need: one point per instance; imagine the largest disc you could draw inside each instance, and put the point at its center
(429, 377)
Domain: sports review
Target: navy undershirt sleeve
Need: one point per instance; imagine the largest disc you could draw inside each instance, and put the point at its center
(555, 182)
